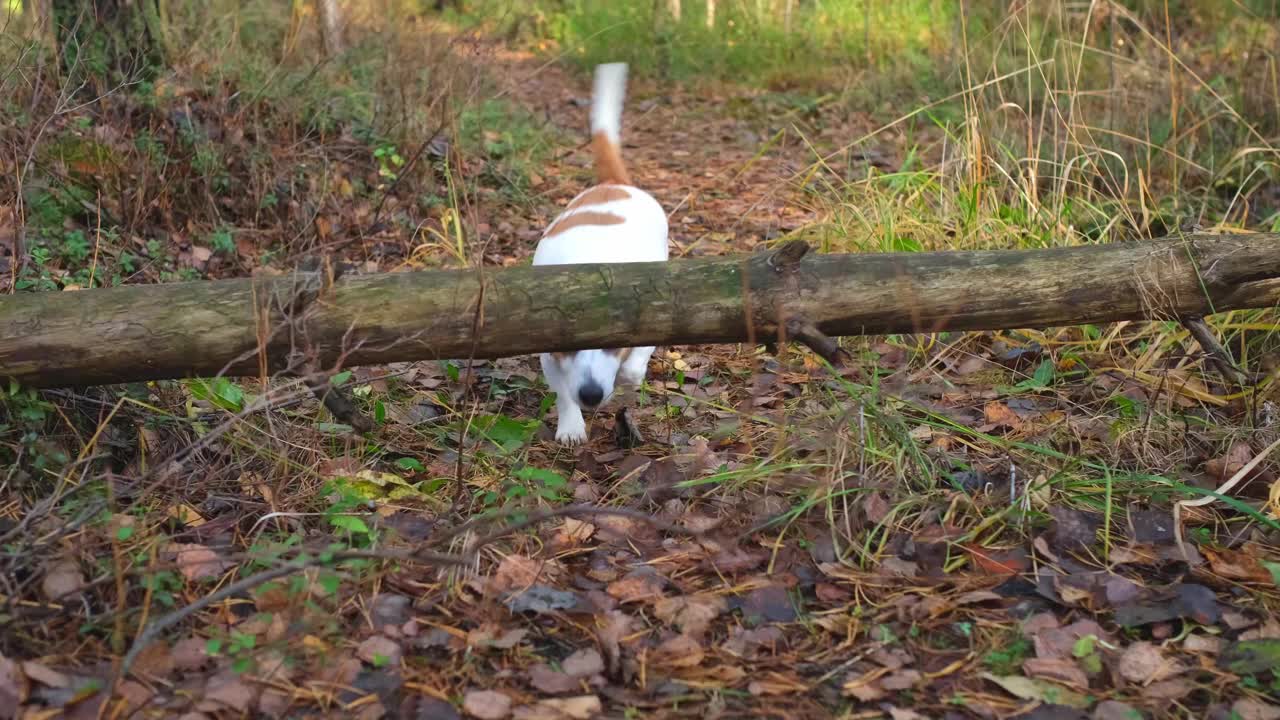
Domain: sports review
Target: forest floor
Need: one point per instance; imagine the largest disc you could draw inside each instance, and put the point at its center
(974, 525)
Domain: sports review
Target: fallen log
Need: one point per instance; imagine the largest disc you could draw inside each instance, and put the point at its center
(261, 325)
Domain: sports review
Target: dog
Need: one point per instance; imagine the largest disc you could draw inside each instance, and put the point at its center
(610, 222)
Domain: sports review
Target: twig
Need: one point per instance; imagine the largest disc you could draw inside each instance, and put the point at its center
(1218, 355)
(809, 334)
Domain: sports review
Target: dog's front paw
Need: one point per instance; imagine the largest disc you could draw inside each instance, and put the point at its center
(571, 433)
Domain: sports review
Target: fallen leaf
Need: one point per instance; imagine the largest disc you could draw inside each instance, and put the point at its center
(643, 583)
(770, 603)
(1142, 662)
(999, 562)
(1152, 526)
(45, 675)
(379, 650)
(897, 567)
(1222, 468)
(573, 532)
(678, 652)
(1253, 709)
(1188, 600)
(390, 609)
(901, 680)
(62, 580)
(1171, 689)
(1237, 564)
(541, 600)
(1058, 669)
(750, 643)
(999, 415)
(1115, 710)
(1072, 529)
(547, 679)
(583, 663)
(1029, 689)
(486, 704)
(227, 689)
(197, 562)
(13, 684)
(692, 614)
(875, 506)
(575, 708)
(189, 654)
(515, 572)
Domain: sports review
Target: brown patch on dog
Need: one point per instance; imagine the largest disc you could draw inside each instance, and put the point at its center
(586, 217)
(599, 195)
(621, 353)
(609, 167)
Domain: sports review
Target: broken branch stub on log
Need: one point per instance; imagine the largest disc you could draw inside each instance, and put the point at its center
(176, 330)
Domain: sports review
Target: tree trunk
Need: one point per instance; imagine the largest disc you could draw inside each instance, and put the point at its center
(673, 6)
(711, 14)
(264, 325)
(330, 26)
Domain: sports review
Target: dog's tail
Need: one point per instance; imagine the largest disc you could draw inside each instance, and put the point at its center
(606, 123)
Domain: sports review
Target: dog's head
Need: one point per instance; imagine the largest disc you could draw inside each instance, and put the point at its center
(590, 374)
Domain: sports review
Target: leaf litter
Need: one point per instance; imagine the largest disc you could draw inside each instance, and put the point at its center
(822, 572)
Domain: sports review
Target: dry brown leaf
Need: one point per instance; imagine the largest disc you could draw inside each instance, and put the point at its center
(1253, 709)
(998, 414)
(574, 708)
(901, 680)
(379, 651)
(547, 679)
(189, 653)
(515, 572)
(680, 651)
(45, 675)
(1143, 662)
(13, 683)
(156, 661)
(641, 584)
(875, 507)
(1115, 710)
(1171, 689)
(692, 614)
(62, 580)
(573, 532)
(1241, 564)
(583, 663)
(227, 689)
(1059, 669)
(197, 562)
(486, 704)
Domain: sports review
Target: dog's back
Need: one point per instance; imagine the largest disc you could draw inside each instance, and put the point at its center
(611, 222)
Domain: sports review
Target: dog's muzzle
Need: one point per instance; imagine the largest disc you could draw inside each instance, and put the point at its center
(590, 394)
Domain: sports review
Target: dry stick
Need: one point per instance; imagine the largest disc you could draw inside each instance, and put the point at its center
(1218, 355)
(1222, 490)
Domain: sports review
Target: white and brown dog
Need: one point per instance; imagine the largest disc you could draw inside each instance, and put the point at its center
(611, 222)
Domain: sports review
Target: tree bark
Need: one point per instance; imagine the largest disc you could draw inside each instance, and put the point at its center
(257, 326)
(330, 26)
